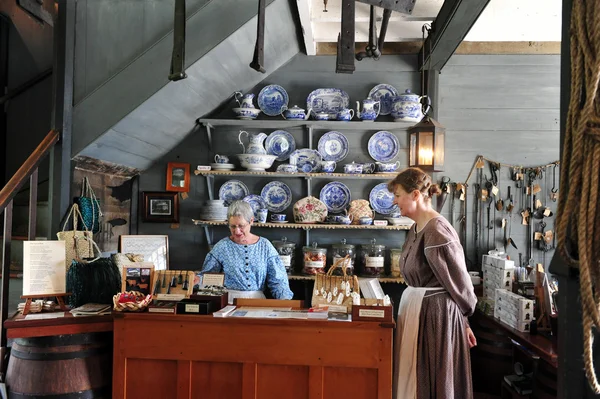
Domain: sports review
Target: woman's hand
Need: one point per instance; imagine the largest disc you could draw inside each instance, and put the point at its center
(471, 338)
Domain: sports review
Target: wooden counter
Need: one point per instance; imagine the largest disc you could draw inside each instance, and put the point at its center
(19, 327)
(182, 356)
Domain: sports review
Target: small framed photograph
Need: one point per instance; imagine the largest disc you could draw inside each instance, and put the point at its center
(160, 207)
(178, 177)
(138, 277)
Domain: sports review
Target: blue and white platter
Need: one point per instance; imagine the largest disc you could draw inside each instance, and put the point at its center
(382, 201)
(277, 196)
(256, 202)
(383, 146)
(335, 196)
(385, 94)
(273, 100)
(281, 144)
(306, 159)
(333, 146)
(232, 190)
(330, 101)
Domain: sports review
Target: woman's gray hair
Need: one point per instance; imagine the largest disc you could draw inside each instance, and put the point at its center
(241, 209)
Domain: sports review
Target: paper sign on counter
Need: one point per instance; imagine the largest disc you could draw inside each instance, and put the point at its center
(44, 268)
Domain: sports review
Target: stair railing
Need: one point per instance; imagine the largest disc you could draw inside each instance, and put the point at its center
(29, 170)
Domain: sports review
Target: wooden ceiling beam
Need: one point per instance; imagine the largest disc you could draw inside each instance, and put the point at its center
(455, 19)
(306, 24)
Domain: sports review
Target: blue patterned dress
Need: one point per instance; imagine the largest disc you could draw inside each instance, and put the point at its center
(247, 267)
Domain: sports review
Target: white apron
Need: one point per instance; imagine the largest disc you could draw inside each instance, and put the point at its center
(244, 294)
(406, 341)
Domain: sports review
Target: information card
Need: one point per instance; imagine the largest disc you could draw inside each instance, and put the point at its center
(44, 268)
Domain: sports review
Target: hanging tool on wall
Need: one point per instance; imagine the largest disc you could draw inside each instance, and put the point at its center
(178, 57)
(371, 50)
(441, 199)
(259, 48)
(345, 46)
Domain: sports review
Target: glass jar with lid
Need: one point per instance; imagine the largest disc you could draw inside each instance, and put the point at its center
(395, 254)
(373, 257)
(286, 250)
(339, 252)
(315, 259)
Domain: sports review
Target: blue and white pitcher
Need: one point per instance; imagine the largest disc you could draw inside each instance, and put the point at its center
(255, 145)
(369, 113)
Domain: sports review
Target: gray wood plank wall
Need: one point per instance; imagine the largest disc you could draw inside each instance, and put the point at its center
(117, 71)
(473, 88)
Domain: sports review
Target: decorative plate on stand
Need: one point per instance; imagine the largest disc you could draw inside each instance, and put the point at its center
(232, 190)
(333, 146)
(281, 144)
(273, 100)
(335, 196)
(382, 200)
(306, 159)
(329, 100)
(277, 196)
(385, 94)
(383, 146)
(256, 202)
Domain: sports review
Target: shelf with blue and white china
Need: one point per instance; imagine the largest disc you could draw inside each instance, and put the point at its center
(277, 123)
(242, 173)
(307, 226)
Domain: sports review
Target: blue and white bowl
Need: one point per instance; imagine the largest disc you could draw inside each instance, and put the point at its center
(256, 162)
(246, 113)
(287, 168)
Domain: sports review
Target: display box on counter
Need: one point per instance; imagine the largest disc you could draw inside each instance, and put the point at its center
(381, 314)
(498, 260)
(218, 302)
(190, 306)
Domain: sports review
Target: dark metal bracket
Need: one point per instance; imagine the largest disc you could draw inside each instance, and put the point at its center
(345, 47)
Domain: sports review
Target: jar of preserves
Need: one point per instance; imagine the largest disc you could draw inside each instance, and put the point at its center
(286, 250)
(395, 254)
(340, 251)
(315, 259)
(373, 256)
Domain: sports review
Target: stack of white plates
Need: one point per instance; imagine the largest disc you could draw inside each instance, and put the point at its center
(214, 210)
(222, 166)
(402, 220)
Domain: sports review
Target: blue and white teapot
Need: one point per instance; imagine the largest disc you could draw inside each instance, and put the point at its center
(369, 113)
(407, 107)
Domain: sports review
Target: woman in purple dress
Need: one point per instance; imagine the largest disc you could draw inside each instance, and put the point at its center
(433, 337)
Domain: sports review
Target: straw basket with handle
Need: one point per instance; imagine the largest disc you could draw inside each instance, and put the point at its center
(79, 244)
(335, 290)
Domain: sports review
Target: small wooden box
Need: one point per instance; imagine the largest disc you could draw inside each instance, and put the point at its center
(381, 314)
(218, 301)
(189, 306)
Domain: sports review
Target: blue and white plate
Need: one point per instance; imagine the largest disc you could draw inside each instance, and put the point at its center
(256, 202)
(277, 195)
(232, 190)
(281, 144)
(383, 146)
(335, 196)
(330, 101)
(385, 94)
(273, 100)
(333, 146)
(305, 157)
(382, 200)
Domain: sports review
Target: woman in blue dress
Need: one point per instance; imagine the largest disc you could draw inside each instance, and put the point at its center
(247, 260)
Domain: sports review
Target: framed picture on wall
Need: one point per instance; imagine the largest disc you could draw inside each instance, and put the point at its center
(160, 207)
(154, 248)
(178, 177)
(138, 277)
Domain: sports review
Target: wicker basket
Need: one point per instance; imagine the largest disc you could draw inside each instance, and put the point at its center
(140, 302)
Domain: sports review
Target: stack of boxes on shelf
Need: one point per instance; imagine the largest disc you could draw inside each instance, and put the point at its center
(513, 309)
(510, 308)
(498, 272)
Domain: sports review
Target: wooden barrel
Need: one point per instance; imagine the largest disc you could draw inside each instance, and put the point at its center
(61, 367)
(492, 358)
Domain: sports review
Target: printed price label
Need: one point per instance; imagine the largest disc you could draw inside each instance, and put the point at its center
(374, 261)
(380, 314)
(314, 263)
(192, 308)
(286, 260)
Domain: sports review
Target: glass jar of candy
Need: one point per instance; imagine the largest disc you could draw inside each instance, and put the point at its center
(315, 259)
(395, 254)
(286, 250)
(373, 257)
(342, 251)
